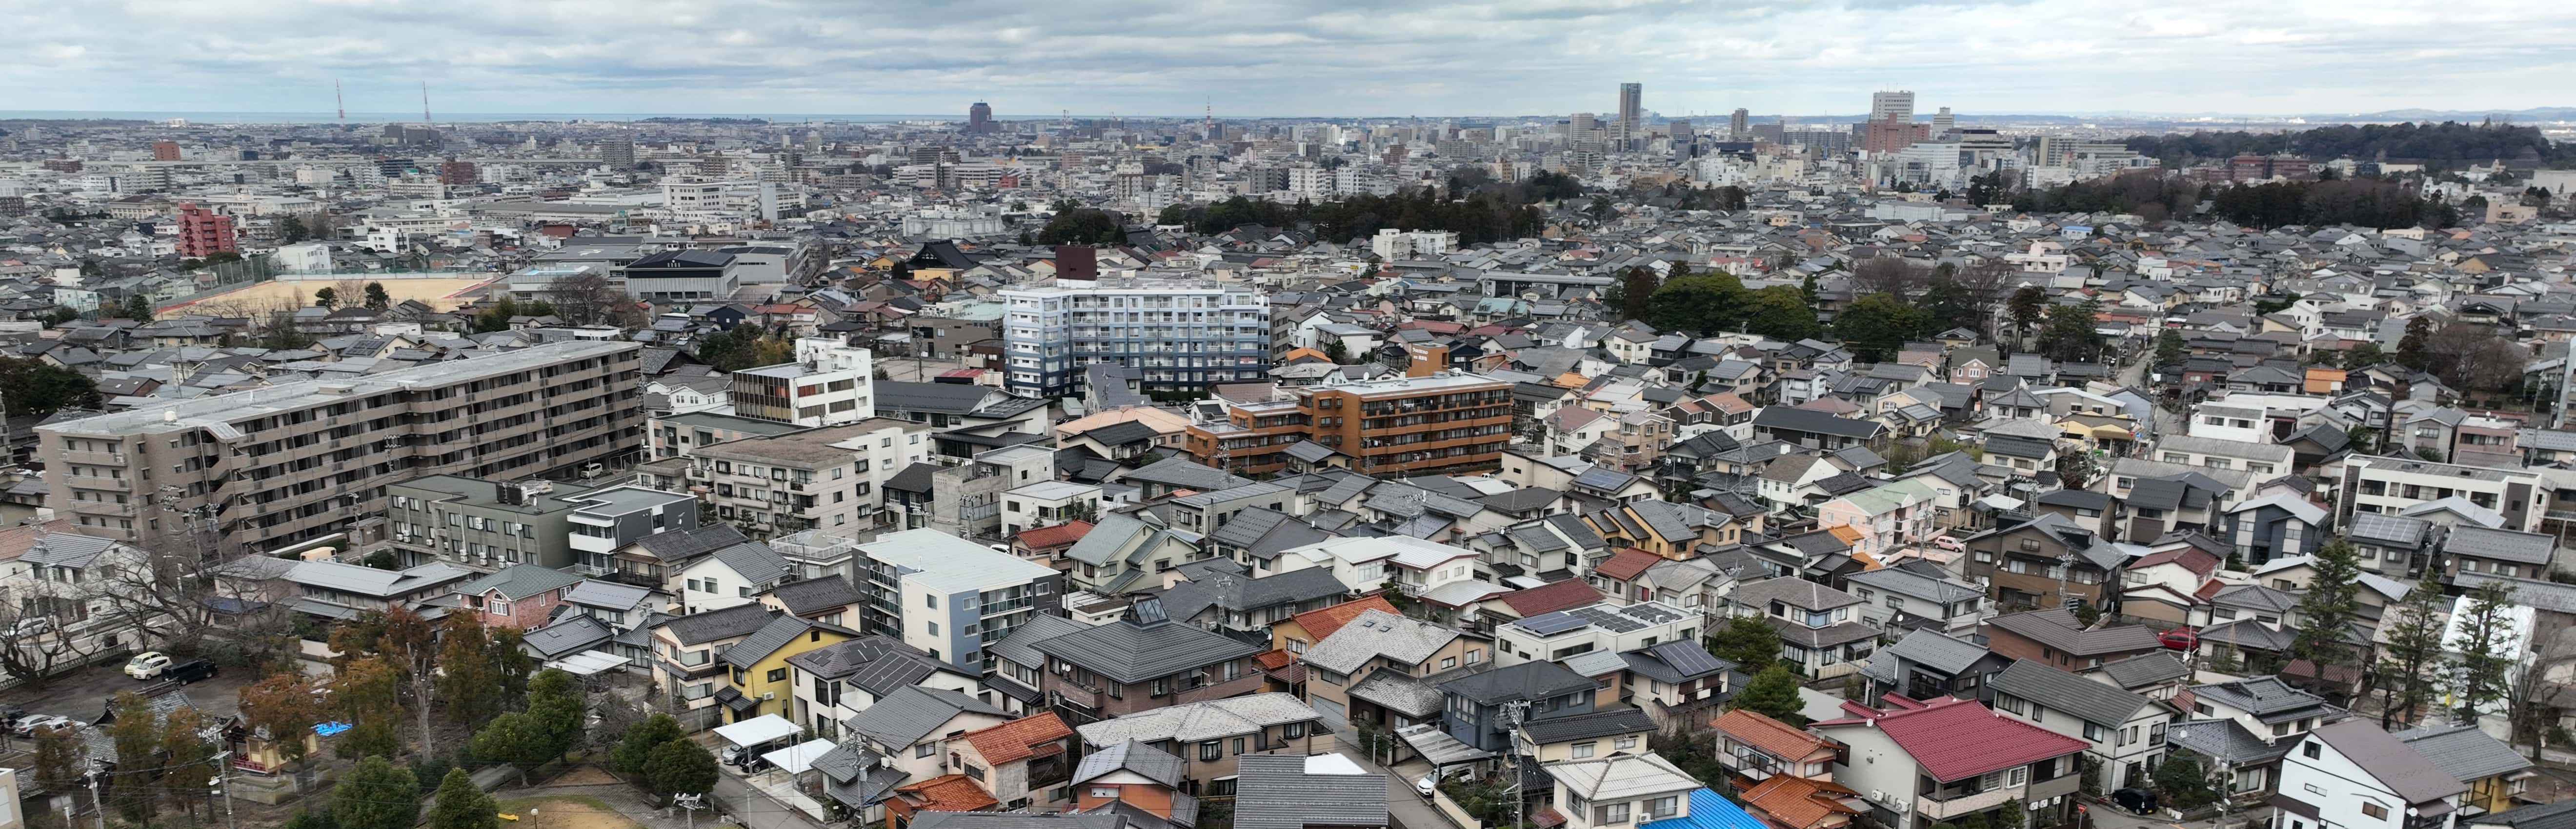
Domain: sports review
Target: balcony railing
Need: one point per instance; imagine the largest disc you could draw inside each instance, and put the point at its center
(1944, 805)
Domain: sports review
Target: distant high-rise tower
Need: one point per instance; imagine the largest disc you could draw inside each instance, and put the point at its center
(165, 150)
(459, 173)
(1943, 123)
(979, 118)
(1740, 125)
(618, 151)
(1891, 106)
(1631, 114)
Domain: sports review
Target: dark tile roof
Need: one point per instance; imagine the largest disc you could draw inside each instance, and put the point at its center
(1129, 652)
(1276, 791)
(810, 595)
(1595, 724)
(2094, 702)
(1525, 681)
(738, 620)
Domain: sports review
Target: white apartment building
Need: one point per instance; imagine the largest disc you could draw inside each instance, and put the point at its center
(831, 478)
(1180, 334)
(1391, 244)
(830, 383)
(2391, 486)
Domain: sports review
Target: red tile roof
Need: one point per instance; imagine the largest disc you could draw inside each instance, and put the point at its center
(2193, 559)
(1550, 598)
(1772, 736)
(1020, 738)
(1798, 802)
(1954, 739)
(1627, 563)
(952, 793)
(1321, 622)
(1055, 536)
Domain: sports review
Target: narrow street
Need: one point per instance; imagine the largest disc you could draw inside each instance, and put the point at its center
(1404, 808)
(754, 809)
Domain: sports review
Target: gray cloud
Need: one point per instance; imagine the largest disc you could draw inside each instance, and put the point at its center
(1315, 57)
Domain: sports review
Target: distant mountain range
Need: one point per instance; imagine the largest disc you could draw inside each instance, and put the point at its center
(2533, 114)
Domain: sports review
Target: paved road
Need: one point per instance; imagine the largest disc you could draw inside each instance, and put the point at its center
(82, 695)
(1404, 808)
(755, 809)
(2108, 816)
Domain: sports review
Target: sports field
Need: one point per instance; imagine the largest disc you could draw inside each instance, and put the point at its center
(442, 293)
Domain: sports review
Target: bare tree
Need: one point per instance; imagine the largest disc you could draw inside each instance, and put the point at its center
(591, 298)
(1889, 275)
(37, 635)
(2472, 357)
(2528, 695)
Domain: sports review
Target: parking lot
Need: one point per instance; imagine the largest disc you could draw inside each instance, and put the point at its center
(83, 694)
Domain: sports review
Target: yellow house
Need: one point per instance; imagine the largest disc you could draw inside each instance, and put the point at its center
(1666, 529)
(2496, 774)
(756, 668)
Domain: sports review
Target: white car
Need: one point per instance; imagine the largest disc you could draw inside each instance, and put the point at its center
(147, 665)
(28, 725)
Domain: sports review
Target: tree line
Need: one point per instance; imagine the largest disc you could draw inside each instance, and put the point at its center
(2362, 202)
(2446, 144)
(1484, 213)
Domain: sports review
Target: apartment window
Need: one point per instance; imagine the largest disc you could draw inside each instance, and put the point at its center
(2094, 733)
(1582, 750)
(934, 628)
(1663, 807)
(2374, 811)
(1211, 750)
(1238, 745)
(1293, 730)
(1475, 655)
(1608, 814)
(924, 749)
(2311, 751)
(933, 599)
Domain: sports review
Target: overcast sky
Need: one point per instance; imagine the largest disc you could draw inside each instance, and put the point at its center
(1247, 58)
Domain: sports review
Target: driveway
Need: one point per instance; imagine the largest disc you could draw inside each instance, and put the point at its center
(1404, 808)
(754, 809)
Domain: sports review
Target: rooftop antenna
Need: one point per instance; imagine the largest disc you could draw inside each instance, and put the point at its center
(424, 104)
(339, 101)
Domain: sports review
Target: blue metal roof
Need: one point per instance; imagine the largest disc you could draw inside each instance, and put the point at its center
(1709, 810)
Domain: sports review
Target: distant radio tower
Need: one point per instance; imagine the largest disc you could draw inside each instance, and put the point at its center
(1207, 120)
(424, 103)
(338, 101)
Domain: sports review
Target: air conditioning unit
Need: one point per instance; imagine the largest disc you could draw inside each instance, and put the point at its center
(766, 696)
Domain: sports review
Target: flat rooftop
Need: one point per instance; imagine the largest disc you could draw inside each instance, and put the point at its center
(217, 413)
(808, 448)
(1442, 382)
(730, 423)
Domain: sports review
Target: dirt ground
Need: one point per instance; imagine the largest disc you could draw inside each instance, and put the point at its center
(565, 812)
(442, 294)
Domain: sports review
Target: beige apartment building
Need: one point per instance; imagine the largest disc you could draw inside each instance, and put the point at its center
(268, 468)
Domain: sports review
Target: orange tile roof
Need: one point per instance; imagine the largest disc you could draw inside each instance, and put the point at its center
(1797, 801)
(1846, 532)
(1018, 739)
(1056, 536)
(1772, 736)
(1274, 660)
(952, 793)
(1627, 563)
(1321, 622)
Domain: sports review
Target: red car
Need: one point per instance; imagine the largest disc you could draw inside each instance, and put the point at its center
(2180, 639)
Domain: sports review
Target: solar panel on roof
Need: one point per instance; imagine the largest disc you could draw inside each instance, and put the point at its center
(1550, 624)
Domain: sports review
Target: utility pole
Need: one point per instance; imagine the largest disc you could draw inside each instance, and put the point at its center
(691, 803)
(94, 804)
(223, 786)
(1518, 710)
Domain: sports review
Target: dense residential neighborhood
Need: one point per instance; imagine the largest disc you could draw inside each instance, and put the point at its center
(1295, 474)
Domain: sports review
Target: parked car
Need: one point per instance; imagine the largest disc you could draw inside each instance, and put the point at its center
(147, 665)
(28, 725)
(2135, 801)
(194, 670)
(31, 626)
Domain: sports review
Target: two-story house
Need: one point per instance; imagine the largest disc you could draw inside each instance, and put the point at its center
(2242, 729)
(1927, 664)
(2054, 637)
(1819, 629)
(1210, 736)
(1620, 790)
(2042, 562)
(1479, 705)
(1019, 761)
(688, 651)
(1756, 748)
(1916, 596)
(921, 731)
(838, 680)
(759, 680)
(1942, 760)
(1132, 778)
(1597, 734)
(1141, 662)
(517, 596)
(1377, 642)
(2124, 732)
(2498, 777)
(2351, 773)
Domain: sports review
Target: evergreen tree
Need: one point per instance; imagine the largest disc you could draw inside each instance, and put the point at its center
(679, 767)
(1772, 693)
(327, 297)
(2169, 347)
(2328, 608)
(1748, 641)
(2411, 350)
(136, 734)
(462, 805)
(377, 298)
(2486, 658)
(2414, 635)
(2184, 781)
(640, 740)
(1877, 325)
(376, 794)
(2026, 306)
(138, 308)
(465, 682)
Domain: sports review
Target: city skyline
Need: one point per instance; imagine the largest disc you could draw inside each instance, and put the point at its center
(1314, 60)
